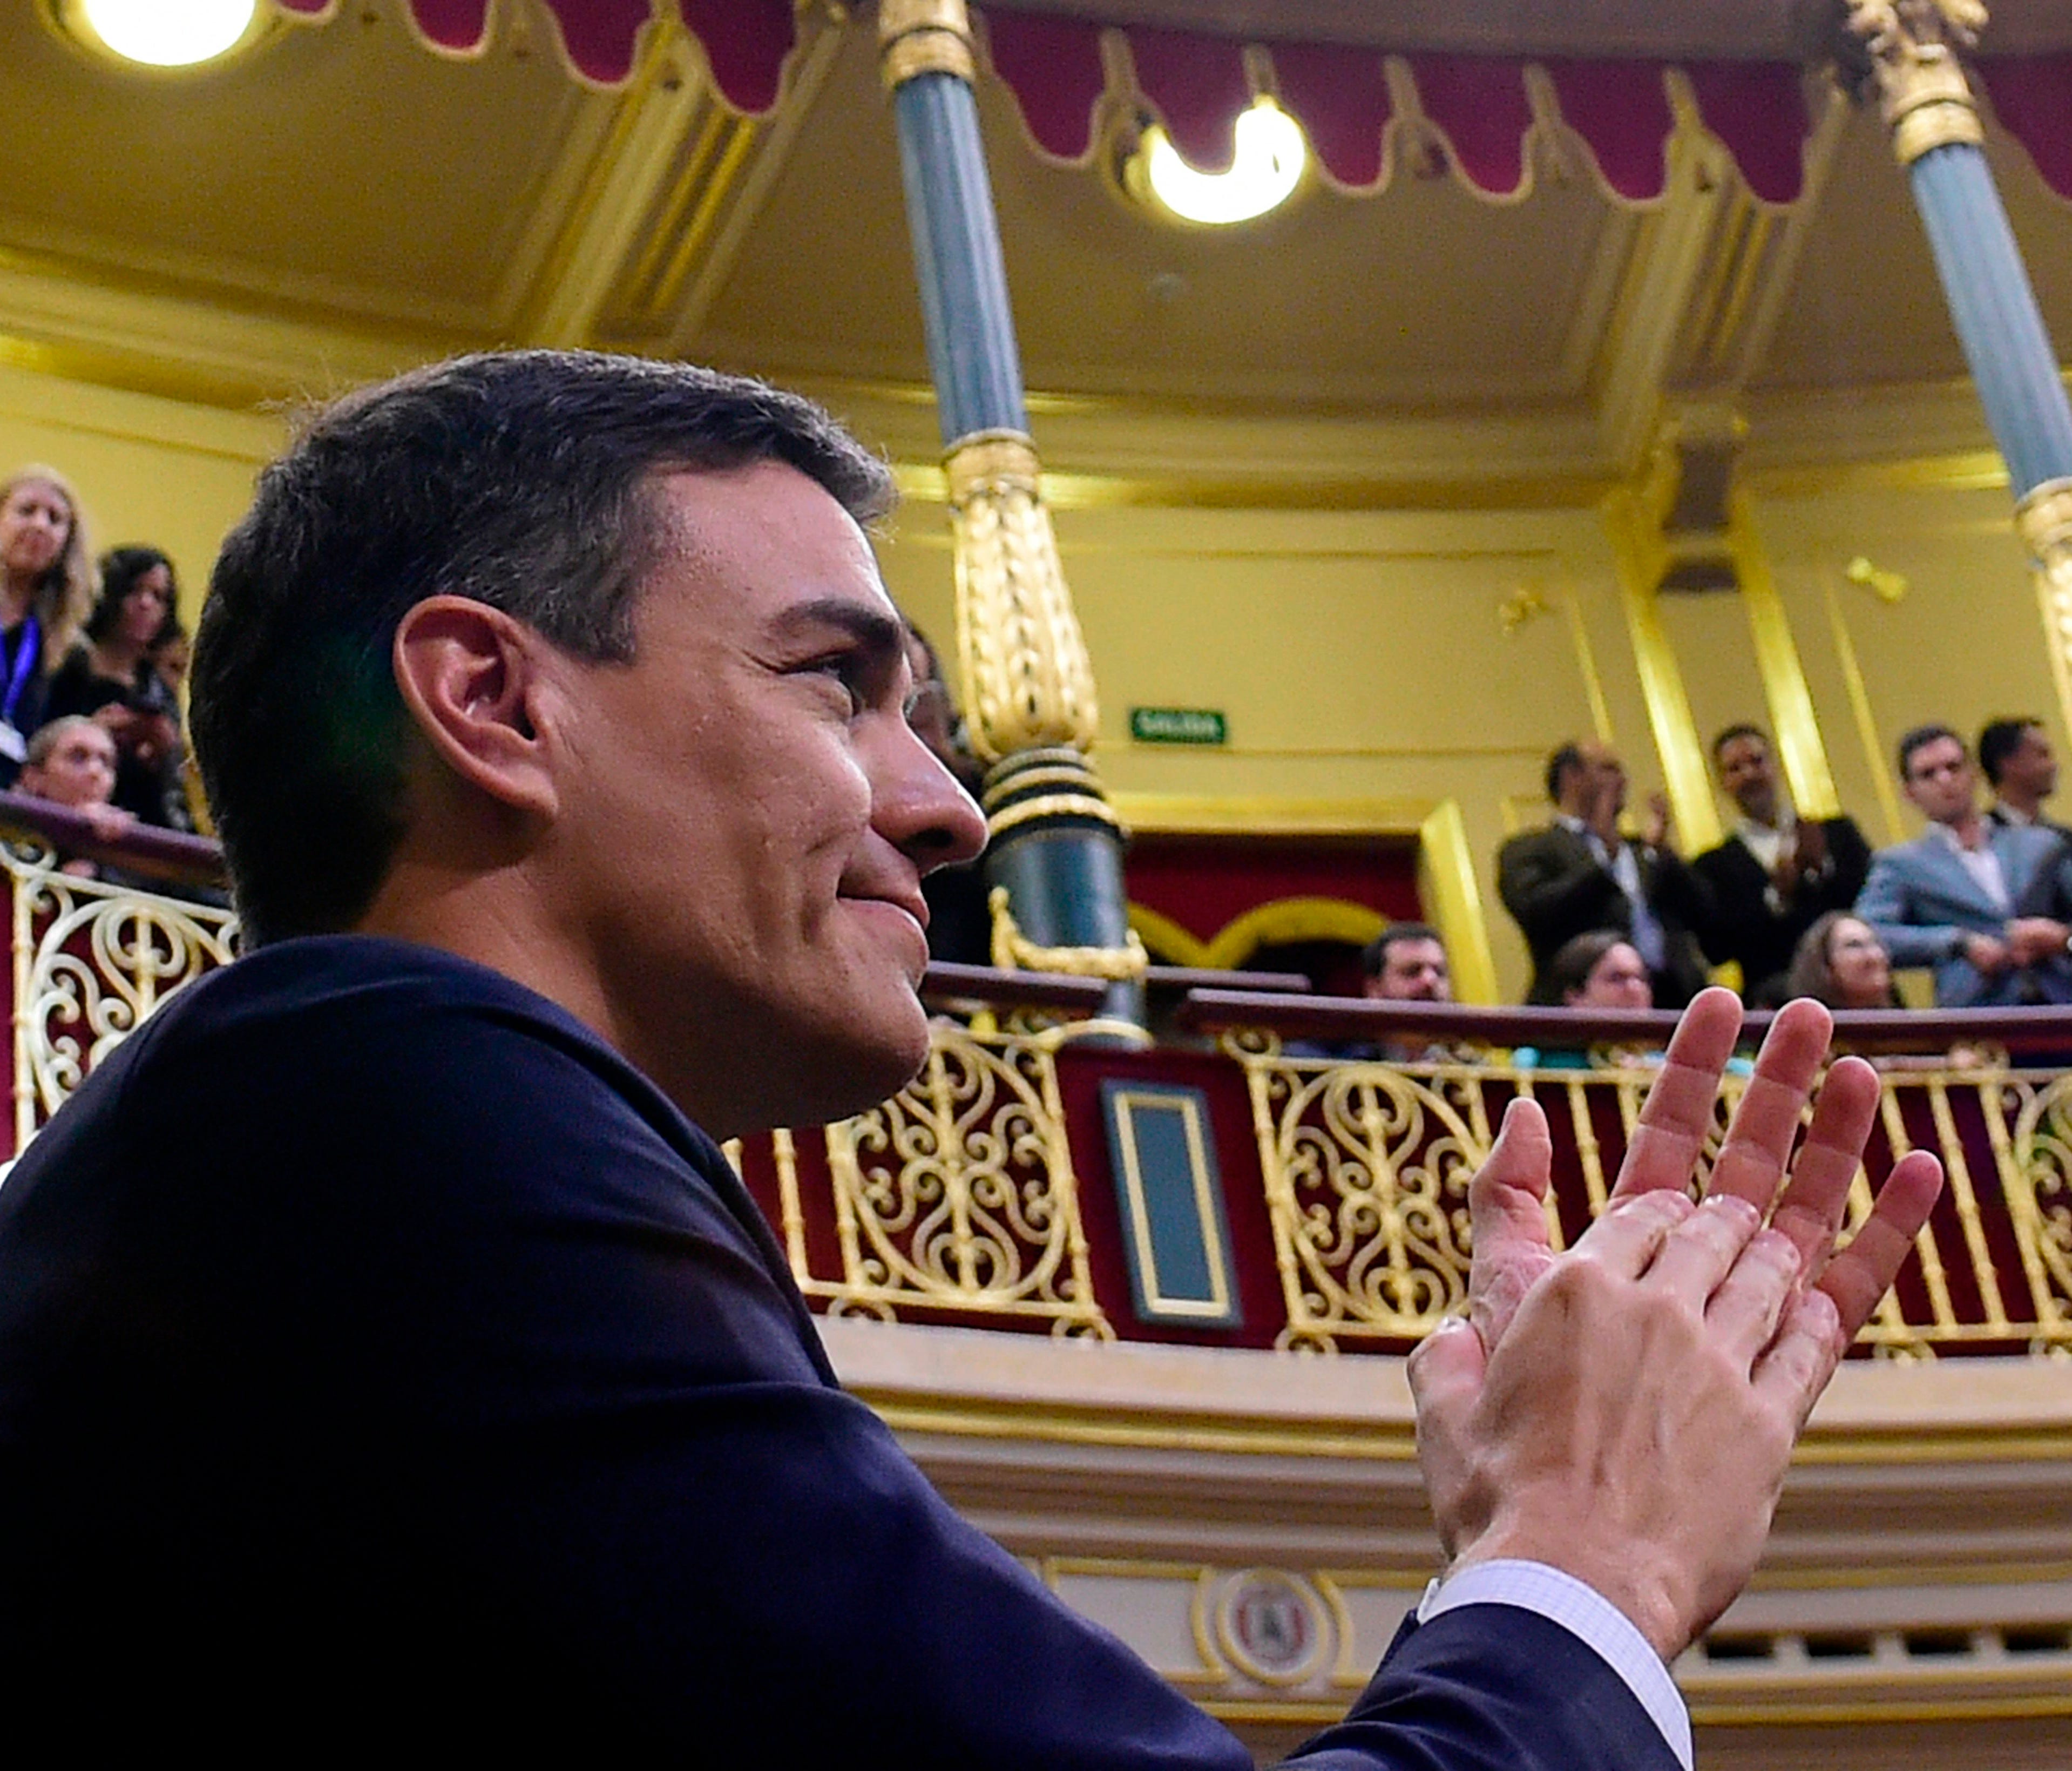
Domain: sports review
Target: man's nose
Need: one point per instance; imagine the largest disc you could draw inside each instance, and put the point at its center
(921, 808)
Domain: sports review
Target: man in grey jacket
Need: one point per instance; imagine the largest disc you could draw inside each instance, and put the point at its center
(1989, 906)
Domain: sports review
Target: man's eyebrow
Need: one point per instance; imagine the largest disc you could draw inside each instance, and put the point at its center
(876, 633)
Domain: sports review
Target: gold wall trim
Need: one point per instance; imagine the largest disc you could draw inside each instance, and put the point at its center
(1790, 699)
(1390, 1443)
(1862, 714)
(1685, 771)
(1453, 899)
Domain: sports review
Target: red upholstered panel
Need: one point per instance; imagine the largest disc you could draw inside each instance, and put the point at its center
(1203, 882)
(745, 42)
(1340, 96)
(1757, 109)
(2033, 98)
(1052, 67)
(1481, 108)
(1199, 86)
(1621, 109)
(458, 24)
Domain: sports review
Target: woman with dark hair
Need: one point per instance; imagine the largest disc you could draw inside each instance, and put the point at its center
(108, 676)
(1840, 962)
(46, 586)
(1600, 970)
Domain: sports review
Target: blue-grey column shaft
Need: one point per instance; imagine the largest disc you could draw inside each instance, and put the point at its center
(1993, 307)
(1063, 871)
(973, 356)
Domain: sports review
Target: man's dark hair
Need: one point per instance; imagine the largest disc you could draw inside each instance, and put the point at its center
(121, 568)
(521, 479)
(1577, 957)
(1374, 955)
(1569, 757)
(1915, 739)
(1742, 729)
(1999, 740)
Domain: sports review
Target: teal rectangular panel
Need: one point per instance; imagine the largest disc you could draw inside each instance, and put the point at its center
(1171, 1200)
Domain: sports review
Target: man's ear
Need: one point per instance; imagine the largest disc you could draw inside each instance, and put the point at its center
(470, 676)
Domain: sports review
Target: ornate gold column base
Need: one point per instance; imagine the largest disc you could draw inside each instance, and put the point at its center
(917, 37)
(2043, 519)
(1922, 88)
(1029, 683)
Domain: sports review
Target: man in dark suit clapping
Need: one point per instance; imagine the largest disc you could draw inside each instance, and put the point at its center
(1776, 874)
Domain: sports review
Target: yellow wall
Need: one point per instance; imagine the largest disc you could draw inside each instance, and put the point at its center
(1360, 655)
(148, 469)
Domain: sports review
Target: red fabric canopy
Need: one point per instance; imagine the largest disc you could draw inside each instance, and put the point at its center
(1478, 113)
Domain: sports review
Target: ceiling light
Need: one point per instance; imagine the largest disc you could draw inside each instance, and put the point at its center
(1263, 172)
(167, 33)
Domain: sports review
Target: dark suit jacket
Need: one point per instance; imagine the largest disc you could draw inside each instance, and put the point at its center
(1555, 887)
(381, 1359)
(1744, 927)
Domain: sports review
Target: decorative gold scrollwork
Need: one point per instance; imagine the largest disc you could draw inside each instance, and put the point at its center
(1922, 88)
(1029, 680)
(958, 1193)
(91, 962)
(1013, 951)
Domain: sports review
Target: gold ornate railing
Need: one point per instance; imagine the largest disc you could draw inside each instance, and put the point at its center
(957, 1196)
(91, 960)
(981, 1193)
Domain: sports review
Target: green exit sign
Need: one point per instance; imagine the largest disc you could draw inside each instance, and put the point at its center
(1179, 726)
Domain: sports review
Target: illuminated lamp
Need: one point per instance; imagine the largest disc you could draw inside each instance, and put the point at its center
(163, 33)
(1264, 170)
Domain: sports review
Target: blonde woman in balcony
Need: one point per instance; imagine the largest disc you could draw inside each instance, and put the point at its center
(47, 586)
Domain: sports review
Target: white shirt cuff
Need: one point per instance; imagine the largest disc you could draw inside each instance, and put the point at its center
(1584, 1612)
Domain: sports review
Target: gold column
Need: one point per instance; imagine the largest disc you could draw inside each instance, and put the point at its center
(1784, 686)
(2043, 519)
(1921, 86)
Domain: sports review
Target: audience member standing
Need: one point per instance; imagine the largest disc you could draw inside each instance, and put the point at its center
(1579, 875)
(1776, 874)
(108, 676)
(1987, 905)
(2022, 768)
(46, 590)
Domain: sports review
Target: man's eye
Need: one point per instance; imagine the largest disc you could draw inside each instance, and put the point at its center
(845, 673)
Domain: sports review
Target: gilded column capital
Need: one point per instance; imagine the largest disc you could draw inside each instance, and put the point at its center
(1029, 681)
(917, 37)
(1922, 93)
(2043, 519)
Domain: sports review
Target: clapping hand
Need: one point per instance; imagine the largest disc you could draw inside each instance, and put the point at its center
(1625, 1411)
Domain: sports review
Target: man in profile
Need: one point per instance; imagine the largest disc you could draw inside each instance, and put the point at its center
(2020, 768)
(386, 1355)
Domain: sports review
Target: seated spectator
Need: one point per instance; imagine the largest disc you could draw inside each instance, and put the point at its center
(171, 654)
(109, 677)
(1405, 963)
(1841, 961)
(46, 591)
(1989, 906)
(1594, 970)
(2021, 769)
(959, 924)
(1579, 875)
(1600, 971)
(72, 763)
(1776, 874)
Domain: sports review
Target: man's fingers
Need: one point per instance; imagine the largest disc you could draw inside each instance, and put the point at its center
(1696, 1255)
(1507, 1204)
(1861, 1274)
(1663, 1150)
(1751, 1300)
(1791, 1376)
(1759, 1143)
(1626, 1238)
(1811, 1209)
